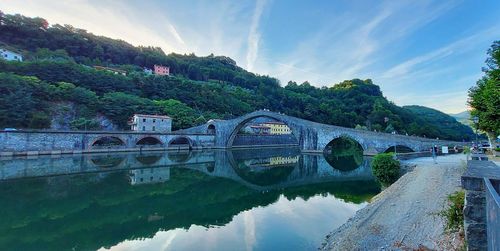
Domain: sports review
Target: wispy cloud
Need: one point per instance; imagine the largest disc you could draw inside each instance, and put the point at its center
(458, 47)
(254, 35)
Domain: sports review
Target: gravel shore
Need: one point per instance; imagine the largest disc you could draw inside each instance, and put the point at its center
(403, 216)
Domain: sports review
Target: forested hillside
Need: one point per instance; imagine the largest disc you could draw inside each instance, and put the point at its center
(448, 124)
(56, 84)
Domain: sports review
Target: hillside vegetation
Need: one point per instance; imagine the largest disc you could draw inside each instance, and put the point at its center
(58, 70)
(448, 124)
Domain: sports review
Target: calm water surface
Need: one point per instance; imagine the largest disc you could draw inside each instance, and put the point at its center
(268, 199)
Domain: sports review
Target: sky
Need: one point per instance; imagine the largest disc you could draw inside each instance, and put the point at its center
(425, 52)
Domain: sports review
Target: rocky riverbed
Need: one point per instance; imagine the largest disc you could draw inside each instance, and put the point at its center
(403, 216)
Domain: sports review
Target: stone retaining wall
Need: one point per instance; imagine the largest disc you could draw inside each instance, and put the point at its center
(481, 227)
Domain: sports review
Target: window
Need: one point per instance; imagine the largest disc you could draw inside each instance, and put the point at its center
(144, 128)
(154, 120)
(143, 120)
(153, 128)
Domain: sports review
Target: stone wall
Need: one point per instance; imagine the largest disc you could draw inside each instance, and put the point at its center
(264, 140)
(36, 142)
(476, 222)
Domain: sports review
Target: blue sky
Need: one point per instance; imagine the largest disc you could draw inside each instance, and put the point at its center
(419, 52)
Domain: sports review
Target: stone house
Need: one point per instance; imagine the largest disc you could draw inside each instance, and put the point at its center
(150, 123)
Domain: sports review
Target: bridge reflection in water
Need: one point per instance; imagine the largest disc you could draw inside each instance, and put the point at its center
(93, 201)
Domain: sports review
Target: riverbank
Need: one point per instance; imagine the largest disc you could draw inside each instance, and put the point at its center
(403, 216)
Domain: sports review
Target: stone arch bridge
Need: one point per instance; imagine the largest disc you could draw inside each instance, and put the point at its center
(314, 137)
(310, 137)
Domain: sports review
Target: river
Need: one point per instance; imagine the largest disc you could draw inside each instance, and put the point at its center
(261, 199)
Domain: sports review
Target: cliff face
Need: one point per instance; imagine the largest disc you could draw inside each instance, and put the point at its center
(64, 116)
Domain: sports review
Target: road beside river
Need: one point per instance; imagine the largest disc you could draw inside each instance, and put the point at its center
(403, 216)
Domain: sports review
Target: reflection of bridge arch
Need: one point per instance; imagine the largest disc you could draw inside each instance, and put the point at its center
(148, 160)
(107, 161)
(399, 149)
(344, 153)
(242, 123)
(179, 157)
(149, 141)
(268, 176)
(107, 142)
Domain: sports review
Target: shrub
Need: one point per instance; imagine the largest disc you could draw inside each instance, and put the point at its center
(454, 212)
(385, 168)
(466, 150)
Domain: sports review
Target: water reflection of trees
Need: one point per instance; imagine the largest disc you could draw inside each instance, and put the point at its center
(344, 154)
(102, 214)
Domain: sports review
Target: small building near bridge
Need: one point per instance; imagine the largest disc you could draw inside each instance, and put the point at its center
(150, 123)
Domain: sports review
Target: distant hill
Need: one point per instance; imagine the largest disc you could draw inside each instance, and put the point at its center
(463, 117)
(58, 84)
(445, 123)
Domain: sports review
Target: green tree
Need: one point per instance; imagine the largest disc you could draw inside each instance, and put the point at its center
(84, 124)
(183, 116)
(39, 120)
(484, 98)
(119, 107)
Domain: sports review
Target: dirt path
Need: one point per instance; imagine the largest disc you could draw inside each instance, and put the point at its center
(403, 215)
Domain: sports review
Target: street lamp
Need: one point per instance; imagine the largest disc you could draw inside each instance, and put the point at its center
(475, 119)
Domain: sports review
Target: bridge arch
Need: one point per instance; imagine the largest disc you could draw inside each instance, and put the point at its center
(295, 131)
(211, 129)
(107, 142)
(180, 142)
(149, 141)
(344, 153)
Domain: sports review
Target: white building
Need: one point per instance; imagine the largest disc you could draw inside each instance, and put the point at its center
(10, 56)
(149, 175)
(150, 123)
